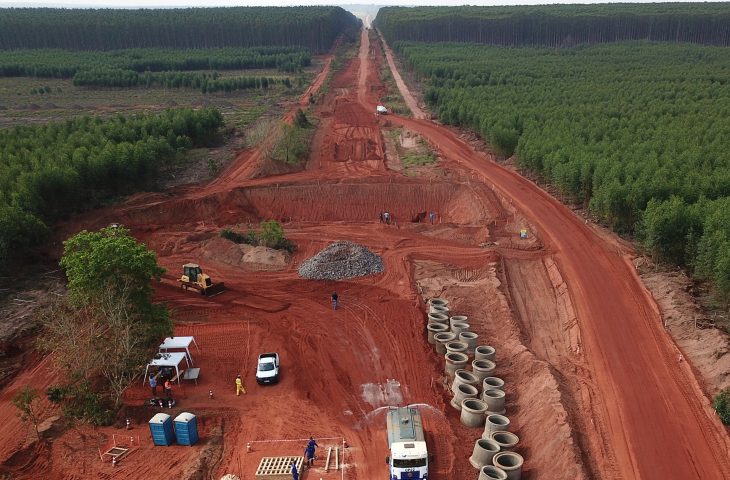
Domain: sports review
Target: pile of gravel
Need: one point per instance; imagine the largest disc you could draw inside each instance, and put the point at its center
(341, 260)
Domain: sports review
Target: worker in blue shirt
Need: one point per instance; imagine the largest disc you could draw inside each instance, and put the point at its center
(294, 473)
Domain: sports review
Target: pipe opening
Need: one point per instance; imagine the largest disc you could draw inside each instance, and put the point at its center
(500, 420)
(474, 404)
(494, 393)
(488, 445)
(467, 389)
(508, 460)
(456, 357)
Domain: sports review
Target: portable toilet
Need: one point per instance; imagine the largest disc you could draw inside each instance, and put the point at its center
(161, 429)
(186, 429)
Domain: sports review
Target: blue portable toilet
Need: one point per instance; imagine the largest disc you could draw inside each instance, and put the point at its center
(186, 429)
(161, 429)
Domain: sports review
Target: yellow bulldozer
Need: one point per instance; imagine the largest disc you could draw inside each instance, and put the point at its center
(193, 277)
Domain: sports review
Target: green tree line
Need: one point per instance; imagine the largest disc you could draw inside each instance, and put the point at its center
(636, 131)
(55, 63)
(559, 25)
(49, 171)
(207, 82)
(315, 28)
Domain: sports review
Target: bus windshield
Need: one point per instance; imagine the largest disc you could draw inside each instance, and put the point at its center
(409, 463)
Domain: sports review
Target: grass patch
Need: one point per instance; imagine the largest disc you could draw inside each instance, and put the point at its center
(292, 146)
(418, 159)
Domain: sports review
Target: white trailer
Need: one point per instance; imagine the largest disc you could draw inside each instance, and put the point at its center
(408, 459)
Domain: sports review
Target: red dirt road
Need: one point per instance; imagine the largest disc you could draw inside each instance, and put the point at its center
(621, 407)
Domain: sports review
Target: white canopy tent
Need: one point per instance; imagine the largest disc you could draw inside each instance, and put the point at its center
(180, 343)
(162, 360)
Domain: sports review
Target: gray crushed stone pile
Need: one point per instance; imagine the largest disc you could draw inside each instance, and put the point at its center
(341, 260)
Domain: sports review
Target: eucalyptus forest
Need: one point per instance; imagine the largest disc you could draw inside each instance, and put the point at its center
(559, 25)
(315, 28)
(634, 130)
(56, 167)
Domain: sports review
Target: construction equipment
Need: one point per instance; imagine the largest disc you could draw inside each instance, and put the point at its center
(193, 277)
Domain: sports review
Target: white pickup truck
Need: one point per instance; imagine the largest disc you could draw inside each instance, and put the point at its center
(267, 370)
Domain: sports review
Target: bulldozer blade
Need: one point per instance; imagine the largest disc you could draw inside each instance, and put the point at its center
(215, 289)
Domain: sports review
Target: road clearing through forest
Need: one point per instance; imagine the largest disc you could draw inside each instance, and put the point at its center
(339, 369)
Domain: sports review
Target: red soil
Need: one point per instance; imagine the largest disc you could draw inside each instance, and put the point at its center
(593, 388)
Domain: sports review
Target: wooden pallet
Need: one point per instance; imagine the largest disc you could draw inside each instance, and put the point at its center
(278, 468)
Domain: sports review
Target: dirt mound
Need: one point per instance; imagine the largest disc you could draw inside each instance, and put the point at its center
(243, 255)
(341, 260)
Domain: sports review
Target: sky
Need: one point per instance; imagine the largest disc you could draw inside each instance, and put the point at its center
(230, 3)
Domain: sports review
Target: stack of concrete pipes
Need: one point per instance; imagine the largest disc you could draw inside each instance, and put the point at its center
(451, 337)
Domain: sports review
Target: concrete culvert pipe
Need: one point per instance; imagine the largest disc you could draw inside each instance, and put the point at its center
(442, 338)
(483, 368)
(456, 346)
(495, 400)
(507, 440)
(510, 462)
(492, 382)
(464, 377)
(470, 338)
(455, 361)
(458, 327)
(439, 309)
(485, 352)
(484, 451)
(490, 472)
(457, 319)
(473, 412)
(434, 328)
(463, 392)
(439, 318)
(495, 423)
(438, 302)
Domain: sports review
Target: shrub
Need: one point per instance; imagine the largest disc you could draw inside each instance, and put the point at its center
(271, 236)
(232, 236)
(721, 404)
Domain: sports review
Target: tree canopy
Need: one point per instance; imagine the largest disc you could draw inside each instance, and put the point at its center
(315, 28)
(109, 259)
(636, 131)
(57, 63)
(108, 326)
(49, 171)
(559, 25)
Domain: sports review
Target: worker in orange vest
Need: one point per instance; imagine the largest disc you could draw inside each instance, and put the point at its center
(239, 386)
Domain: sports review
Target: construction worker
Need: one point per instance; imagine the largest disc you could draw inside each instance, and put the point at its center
(334, 300)
(294, 472)
(309, 455)
(312, 444)
(153, 385)
(386, 218)
(239, 386)
(168, 388)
